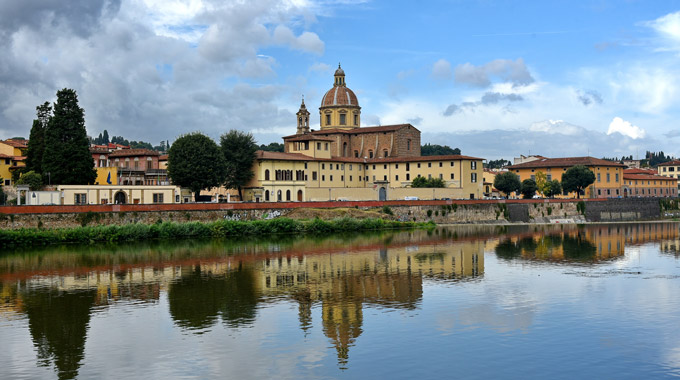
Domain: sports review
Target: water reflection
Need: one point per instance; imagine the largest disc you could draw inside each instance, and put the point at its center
(224, 284)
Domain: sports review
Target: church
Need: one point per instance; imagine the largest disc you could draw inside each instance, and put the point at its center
(345, 161)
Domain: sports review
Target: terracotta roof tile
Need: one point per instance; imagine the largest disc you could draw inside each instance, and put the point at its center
(648, 177)
(133, 152)
(16, 143)
(564, 162)
(671, 163)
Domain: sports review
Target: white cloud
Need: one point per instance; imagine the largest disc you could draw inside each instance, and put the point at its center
(556, 127)
(515, 72)
(625, 128)
(307, 41)
(668, 28)
(441, 70)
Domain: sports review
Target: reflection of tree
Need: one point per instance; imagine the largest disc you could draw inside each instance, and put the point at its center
(196, 300)
(508, 249)
(578, 248)
(58, 323)
(342, 324)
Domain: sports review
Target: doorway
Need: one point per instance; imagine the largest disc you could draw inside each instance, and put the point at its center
(120, 198)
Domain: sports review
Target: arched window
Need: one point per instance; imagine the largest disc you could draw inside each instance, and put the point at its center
(266, 196)
(344, 149)
(385, 153)
(287, 195)
(266, 176)
(278, 196)
(370, 154)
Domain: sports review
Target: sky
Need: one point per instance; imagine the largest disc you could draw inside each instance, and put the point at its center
(496, 79)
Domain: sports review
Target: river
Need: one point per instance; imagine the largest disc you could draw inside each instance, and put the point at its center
(478, 302)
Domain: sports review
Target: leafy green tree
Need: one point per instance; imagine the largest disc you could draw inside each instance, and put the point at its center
(428, 182)
(67, 152)
(438, 150)
(32, 179)
(36, 142)
(553, 188)
(105, 137)
(528, 188)
(497, 164)
(577, 178)
(272, 147)
(196, 162)
(507, 183)
(541, 182)
(238, 149)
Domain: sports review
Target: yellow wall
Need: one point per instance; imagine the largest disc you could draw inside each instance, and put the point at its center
(103, 174)
(5, 164)
(651, 187)
(599, 189)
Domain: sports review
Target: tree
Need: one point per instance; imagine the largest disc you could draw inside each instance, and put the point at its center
(498, 164)
(196, 162)
(272, 147)
(541, 182)
(32, 179)
(507, 182)
(428, 182)
(553, 188)
(36, 142)
(67, 152)
(437, 150)
(528, 188)
(105, 137)
(577, 178)
(2, 192)
(238, 149)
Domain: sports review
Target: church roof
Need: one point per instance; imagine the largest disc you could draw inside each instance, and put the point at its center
(339, 96)
(376, 129)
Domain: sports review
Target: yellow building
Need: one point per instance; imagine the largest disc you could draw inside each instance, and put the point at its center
(5, 173)
(608, 174)
(12, 157)
(670, 169)
(344, 161)
(646, 185)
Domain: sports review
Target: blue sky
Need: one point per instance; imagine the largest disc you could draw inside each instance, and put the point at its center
(494, 78)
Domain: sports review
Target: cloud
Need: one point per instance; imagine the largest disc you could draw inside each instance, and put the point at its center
(557, 127)
(441, 70)
(320, 68)
(668, 28)
(307, 41)
(489, 98)
(415, 121)
(673, 133)
(506, 70)
(625, 128)
(589, 97)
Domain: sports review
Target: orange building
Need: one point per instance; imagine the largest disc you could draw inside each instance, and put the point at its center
(636, 184)
(608, 174)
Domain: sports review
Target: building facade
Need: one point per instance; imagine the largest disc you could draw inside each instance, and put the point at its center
(608, 174)
(344, 161)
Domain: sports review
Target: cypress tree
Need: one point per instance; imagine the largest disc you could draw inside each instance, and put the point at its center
(36, 141)
(67, 153)
(105, 137)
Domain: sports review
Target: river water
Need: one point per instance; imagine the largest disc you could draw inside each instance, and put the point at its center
(478, 302)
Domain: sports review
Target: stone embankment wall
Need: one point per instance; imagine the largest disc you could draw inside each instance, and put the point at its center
(441, 212)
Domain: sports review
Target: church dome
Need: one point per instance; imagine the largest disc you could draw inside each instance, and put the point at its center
(339, 96)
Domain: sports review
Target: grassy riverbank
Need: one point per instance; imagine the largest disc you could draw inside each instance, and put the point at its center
(28, 237)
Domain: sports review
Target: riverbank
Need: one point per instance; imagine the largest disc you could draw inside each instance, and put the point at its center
(28, 237)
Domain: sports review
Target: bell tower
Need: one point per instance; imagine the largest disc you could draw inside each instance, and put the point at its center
(302, 119)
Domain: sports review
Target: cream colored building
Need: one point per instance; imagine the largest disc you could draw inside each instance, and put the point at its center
(110, 194)
(344, 161)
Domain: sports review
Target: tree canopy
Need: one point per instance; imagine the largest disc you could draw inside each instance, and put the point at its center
(196, 162)
(272, 147)
(238, 149)
(577, 178)
(428, 182)
(552, 188)
(32, 179)
(498, 164)
(507, 183)
(36, 142)
(437, 150)
(67, 152)
(528, 188)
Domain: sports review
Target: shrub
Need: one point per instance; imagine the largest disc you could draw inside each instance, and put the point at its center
(387, 210)
(429, 213)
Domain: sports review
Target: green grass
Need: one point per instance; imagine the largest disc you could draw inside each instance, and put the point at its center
(27, 237)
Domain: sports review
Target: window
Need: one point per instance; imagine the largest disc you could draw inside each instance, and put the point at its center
(337, 166)
(429, 176)
(331, 177)
(408, 177)
(548, 177)
(323, 166)
(323, 177)
(373, 178)
(473, 165)
(419, 165)
(385, 154)
(313, 176)
(342, 177)
(318, 146)
(330, 167)
(328, 119)
(356, 119)
(350, 178)
(385, 167)
(396, 177)
(356, 154)
(343, 119)
(599, 192)
(374, 167)
(598, 177)
(607, 177)
(266, 175)
(287, 195)
(451, 163)
(325, 146)
(80, 199)
(452, 176)
(370, 154)
(342, 166)
(408, 166)
(396, 166)
(305, 165)
(157, 197)
(408, 144)
(384, 178)
(429, 164)
(440, 164)
(441, 176)
(350, 166)
(473, 177)
(533, 177)
(616, 178)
